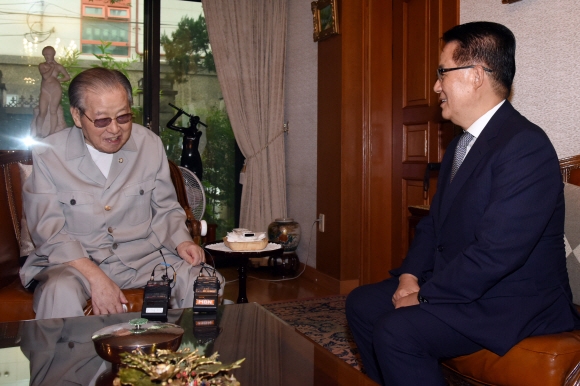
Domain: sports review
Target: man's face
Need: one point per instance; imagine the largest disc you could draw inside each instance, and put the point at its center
(109, 103)
(455, 89)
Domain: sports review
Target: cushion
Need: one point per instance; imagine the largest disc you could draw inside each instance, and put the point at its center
(539, 360)
(26, 244)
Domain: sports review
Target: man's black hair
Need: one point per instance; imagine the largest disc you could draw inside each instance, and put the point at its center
(489, 44)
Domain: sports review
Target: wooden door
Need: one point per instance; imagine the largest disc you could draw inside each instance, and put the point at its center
(420, 136)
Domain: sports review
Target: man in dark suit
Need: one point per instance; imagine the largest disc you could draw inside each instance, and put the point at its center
(487, 266)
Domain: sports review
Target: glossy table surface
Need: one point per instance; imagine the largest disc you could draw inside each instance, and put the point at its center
(60, 351)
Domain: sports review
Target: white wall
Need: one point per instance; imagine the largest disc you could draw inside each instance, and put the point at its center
(547, 85)
(301, 113)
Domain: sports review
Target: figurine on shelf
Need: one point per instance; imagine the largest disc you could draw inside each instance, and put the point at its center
(190, 157)
(48, 116)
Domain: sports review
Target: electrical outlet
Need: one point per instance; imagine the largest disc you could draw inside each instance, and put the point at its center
(321, 222)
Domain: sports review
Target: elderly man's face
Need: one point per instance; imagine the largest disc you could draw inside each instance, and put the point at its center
(111, 103)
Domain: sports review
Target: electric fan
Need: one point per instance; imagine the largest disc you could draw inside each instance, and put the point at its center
(195, 193)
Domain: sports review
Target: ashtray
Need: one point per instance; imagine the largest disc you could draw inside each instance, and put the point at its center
(113, 340)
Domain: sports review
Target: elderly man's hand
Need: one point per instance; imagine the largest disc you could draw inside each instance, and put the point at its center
(106, 296)
(191, 252)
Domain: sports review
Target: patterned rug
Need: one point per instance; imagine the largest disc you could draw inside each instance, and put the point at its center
(323, 320)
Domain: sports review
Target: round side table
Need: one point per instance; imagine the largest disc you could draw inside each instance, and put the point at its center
(218, 249)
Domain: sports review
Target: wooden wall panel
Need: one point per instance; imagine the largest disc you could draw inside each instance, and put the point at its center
(415, 52)
(329, 156)
(415, 146)
(417, 28)
(341, 146)
(413, 194)
(378, 125)
(353, 146)
(378, 184)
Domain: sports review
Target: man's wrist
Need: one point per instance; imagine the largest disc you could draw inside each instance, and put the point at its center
(421, 299)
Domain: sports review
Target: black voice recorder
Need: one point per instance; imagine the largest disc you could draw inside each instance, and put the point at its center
(156, 300)
(206, 291)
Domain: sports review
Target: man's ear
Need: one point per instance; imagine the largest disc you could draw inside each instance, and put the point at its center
(76, 116)
(479, 74)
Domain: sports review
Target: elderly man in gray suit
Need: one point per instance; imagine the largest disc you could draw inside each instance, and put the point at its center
(101, 208)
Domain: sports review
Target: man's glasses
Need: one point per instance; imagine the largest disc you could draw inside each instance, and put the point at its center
(442, 71)
(104, 122)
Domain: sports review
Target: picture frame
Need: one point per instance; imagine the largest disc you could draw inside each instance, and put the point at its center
(325, 19)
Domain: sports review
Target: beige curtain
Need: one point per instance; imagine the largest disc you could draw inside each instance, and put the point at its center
(248, 41)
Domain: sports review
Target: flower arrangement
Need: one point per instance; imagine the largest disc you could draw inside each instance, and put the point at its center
(180, 368)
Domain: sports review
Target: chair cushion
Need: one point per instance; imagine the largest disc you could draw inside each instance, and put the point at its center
(540, 360)
(17, 302)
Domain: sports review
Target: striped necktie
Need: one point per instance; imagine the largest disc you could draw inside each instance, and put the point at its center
(460, 151)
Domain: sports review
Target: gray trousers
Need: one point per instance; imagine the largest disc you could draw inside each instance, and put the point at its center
(62, 291)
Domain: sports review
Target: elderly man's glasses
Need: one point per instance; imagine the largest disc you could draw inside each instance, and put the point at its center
(442, 71)
(104, 122)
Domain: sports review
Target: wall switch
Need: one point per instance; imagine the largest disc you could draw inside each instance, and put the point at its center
(321, 222)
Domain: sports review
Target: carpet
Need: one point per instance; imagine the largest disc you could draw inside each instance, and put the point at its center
(323, 320)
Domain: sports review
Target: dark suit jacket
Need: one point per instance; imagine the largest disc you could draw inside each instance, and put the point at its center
(490, 256)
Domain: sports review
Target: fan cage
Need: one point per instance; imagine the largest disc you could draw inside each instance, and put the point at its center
(195, 193)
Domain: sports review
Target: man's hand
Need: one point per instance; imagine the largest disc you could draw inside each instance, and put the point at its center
(191, 252)
(408, 284)
(106, 296)
(406, 301)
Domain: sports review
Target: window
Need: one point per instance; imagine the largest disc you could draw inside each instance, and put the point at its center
(189, 81)
(187, 77)
(105, 23)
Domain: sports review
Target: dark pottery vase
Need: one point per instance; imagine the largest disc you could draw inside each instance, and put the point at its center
(286, 232)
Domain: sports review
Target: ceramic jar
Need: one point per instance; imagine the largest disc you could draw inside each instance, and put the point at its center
(285, 231)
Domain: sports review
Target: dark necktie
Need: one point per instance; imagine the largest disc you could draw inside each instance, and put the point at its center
(460, 151)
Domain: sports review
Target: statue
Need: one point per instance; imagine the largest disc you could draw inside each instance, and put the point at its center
(48, 116)
(190, 157)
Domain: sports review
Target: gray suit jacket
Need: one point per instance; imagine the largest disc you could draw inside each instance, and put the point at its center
(73, 211)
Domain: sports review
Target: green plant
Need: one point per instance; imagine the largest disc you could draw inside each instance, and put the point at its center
(219, 171)
(108, 61)
(173, 144)
(188, 49)
(69, 61)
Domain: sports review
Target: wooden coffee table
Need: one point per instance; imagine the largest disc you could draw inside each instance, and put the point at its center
(276, 354)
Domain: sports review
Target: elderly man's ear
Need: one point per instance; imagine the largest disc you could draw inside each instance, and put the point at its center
(76, 116)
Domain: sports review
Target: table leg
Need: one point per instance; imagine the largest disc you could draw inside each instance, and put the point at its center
(242, 297)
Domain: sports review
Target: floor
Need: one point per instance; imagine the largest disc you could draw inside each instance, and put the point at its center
(264, 285)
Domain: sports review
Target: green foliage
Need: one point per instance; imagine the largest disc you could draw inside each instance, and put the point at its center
(219, 175)
(70, 62)
(188, 49)
(108, 61)
(173, 142)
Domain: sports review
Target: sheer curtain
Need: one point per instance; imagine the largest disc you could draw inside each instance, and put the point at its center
(248, 41)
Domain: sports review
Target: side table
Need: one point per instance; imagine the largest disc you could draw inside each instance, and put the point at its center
(218, 249)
